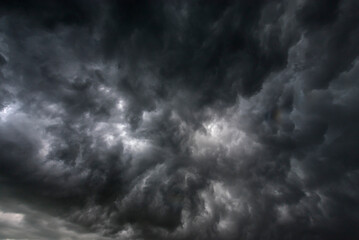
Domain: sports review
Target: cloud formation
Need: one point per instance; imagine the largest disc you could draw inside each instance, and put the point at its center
(179, 119)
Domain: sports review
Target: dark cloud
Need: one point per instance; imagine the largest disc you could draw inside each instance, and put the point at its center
(179, 120)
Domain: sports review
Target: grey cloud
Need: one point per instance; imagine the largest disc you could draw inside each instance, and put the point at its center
(179, 120)
(20, 222)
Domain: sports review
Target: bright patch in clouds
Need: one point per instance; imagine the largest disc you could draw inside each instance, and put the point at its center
(11, 218)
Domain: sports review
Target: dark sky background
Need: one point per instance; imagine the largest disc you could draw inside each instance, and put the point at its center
(179, 120)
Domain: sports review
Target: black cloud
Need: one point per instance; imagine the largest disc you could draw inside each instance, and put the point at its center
(179, 119)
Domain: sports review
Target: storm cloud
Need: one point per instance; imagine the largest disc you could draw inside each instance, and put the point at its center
(179, 119)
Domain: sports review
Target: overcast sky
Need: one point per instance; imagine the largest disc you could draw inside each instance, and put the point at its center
(179, 120)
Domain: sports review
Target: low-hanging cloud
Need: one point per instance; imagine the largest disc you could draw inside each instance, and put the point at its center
(179, 119)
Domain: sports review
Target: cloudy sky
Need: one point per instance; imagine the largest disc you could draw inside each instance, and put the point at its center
(179, 120)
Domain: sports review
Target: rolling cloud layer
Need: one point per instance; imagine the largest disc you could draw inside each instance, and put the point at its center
(179, 120)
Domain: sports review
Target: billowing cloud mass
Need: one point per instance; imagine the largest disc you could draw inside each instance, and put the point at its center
(179, 120)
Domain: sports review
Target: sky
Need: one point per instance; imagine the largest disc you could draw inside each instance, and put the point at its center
(179, 120)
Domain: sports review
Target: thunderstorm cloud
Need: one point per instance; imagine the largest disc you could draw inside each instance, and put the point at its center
(179, 120)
